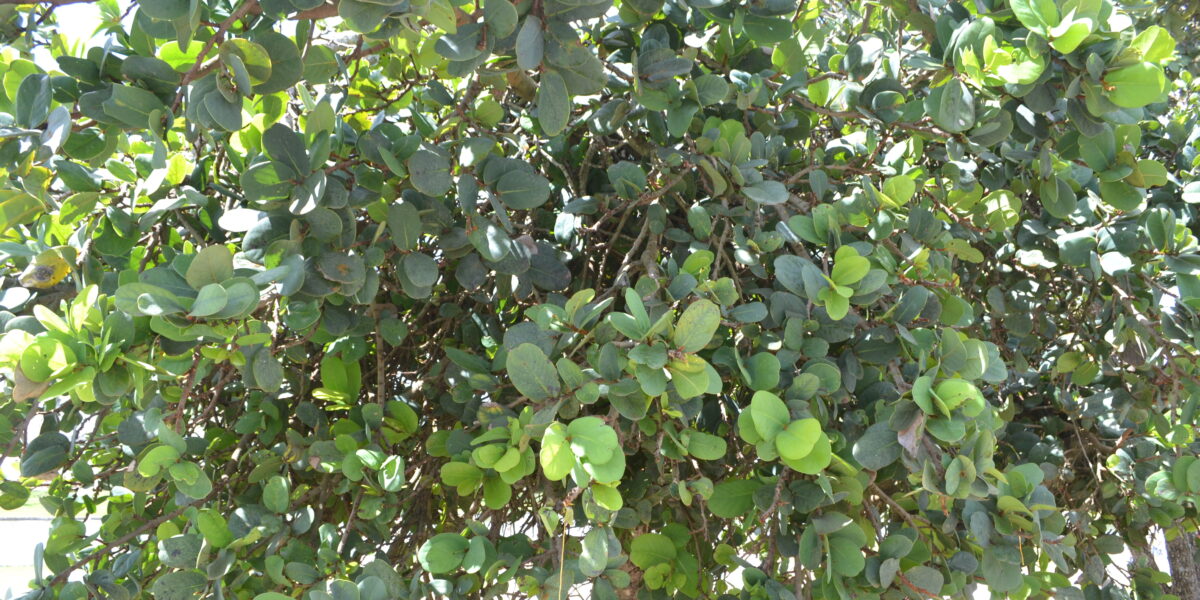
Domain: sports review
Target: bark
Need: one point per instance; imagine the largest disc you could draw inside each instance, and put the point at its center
(1185, 570)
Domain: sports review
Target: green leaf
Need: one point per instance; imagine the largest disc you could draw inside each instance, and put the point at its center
(1069, 34)
(501, 18)
(837, 305)
(320, 63)
(156, 459)
(214, 528)
(464, 476)
(179, 551)
(845, 556)
(213, 264)
(690, 376)
(815, 461)
(1003, 209)
(1155, 44)
(44, 454)
(608, 472)
(899, 190)
(33, 101)
(17, 208)
(848, 266)
(1035, 15)
(877, 448)
(132, 106)
(269, 180)
(798, 439)
(928, 579)
(1193, 478)
(594, 557)
(706, 446)
(179, 585)
(1121, 195)
(285, 146)
(733, 498)
(443, 553)
(1135, 86)
(768, 193)
(553, 104)
(462, 45)
(955, 110)
(592, 439)
(770, 415)
(13, 495)
(556, 456)
(523, 190)
(530, 44)
(649, 549)
(532, 373)
(430, 172)
(696, 326)
(165, 10)
(404, 225)
(209, 301)
(275, 494)
(496, 493)
(342, 267)
(627, 178)
(954, 392)
(421, 269)
(1057, 197)
(253, 56)
(607, 496)
(287, 67)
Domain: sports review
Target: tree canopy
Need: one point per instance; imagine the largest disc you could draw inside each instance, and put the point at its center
(775, 299)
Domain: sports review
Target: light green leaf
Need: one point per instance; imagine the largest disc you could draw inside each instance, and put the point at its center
(798, 439)
(556, 456)
(848, 266)
(815, 461)
(651, 549)
(592, 439)
(769, 413)
(1136, 86)
(696, 326)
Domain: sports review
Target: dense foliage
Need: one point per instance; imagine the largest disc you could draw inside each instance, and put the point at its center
(648, 298)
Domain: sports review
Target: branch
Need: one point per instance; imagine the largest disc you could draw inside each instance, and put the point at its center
(61, 577)
(904, 514)
(320, 12)
(198, 69)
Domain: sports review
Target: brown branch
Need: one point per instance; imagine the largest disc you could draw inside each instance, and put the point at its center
(321, 12)
(912, 586)
(904, 514)
(198, 69)
(19, 432)
(62, 576)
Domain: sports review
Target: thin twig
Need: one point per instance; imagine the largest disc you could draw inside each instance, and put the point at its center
(198, 69)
